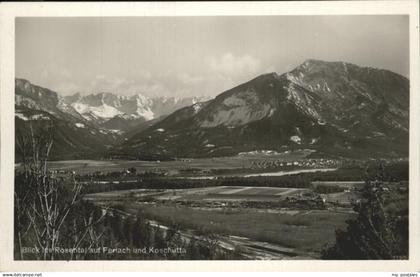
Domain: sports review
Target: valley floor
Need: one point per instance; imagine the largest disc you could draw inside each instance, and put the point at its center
(260, 233)
(292, 214)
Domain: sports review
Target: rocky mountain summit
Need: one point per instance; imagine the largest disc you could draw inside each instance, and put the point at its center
(335, 108)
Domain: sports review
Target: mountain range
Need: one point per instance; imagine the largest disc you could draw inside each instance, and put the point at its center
(334, 108)
(122, 112)
(88, 125)
(37, 109)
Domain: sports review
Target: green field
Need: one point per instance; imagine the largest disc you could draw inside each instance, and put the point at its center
(222, 163)
(231, 193)
(298, 212)
(304, 230)
(206, 194)
(220, 210)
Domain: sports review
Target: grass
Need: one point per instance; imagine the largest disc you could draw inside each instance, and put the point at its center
(219, 163)
(304, 231)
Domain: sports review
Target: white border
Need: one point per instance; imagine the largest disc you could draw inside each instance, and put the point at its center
(8, 12)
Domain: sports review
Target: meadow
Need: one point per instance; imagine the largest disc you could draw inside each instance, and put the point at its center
(298, 214)
(304, 231)
(217, 163)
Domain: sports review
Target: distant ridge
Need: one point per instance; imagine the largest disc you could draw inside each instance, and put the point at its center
(335, 108)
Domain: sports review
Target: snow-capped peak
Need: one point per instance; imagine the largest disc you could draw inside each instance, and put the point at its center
(103, 111)
(103, 106)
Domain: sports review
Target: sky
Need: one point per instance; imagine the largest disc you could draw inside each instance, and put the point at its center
(196, 56)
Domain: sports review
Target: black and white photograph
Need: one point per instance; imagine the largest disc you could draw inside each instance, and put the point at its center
(212, 137)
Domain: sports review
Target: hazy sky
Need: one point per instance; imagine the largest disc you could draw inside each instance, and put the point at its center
(185, 56)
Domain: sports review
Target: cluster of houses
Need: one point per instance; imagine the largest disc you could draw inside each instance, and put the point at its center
(61, 172)
(309, 163)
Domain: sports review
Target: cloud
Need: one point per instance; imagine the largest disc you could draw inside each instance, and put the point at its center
(58, 78)
(154, 89)
(270, 69)
(144, 74)
(228, 70)
(102, 83)
(126, 86)
(55, 71)
(188, 79)
(66, 87)
(231, 65)
(216, 75)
